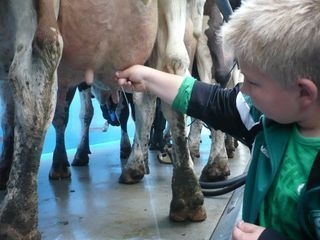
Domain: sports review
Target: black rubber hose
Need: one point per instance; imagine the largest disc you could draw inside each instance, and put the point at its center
(224, 190)
(222, 184)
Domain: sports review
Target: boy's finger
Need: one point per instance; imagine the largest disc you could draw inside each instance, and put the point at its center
(237, 234)
(247, 227)
(122, 81)
(122, 74)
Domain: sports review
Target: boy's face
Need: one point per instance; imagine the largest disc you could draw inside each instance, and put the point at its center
(276, 102)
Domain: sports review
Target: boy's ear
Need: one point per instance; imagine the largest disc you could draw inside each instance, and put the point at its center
(308, 91)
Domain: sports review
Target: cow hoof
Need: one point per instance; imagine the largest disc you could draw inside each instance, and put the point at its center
(197, 215)
(180, 211)
(212, 174)
(130, 176)
(62, 172)
(8, 232)
(80, 160)
(212, 178)
(187, 201)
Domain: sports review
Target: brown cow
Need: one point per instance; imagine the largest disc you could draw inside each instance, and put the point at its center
(94, 43)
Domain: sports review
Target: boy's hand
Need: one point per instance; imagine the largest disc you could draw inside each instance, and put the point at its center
(131, 79)
(246, 231)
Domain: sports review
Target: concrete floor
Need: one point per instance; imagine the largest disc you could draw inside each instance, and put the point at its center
(93, 205)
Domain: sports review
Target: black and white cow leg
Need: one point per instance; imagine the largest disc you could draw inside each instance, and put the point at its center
(125, 145)
(217, 167)
(231, 146)
(194, 138)
(187, 198)
(33, 81)
(81, 157)
(136, 166)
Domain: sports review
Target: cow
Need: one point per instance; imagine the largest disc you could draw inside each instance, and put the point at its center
(31, 46)
(174, 48)
(170, 54)
(84, 57)
(187, 202)
(93, 50)
(213, 64)
(210, 63)
(33, 49)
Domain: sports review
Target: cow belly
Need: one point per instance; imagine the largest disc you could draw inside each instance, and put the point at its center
(107, 35)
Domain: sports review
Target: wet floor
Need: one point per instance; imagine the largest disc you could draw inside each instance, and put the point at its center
(93, 205)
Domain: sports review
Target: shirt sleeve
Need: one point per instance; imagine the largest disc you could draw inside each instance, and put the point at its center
(268, 234)
(218, 108)
(181, 101)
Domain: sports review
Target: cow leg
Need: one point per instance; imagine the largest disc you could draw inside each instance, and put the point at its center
(202, 70)
(60, 165)
(8, 133)
(194, 138)
(230, 146)
(34, 85)
(217, 167)
(81, 157)
(125, 144)
(158, 126)
(222, 60)
(137, 164)
(187, 198)
(230, 142)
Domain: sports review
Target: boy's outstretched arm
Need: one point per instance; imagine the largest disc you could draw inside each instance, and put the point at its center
(141, 78)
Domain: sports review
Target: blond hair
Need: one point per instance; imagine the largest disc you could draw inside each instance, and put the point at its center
(281, 37)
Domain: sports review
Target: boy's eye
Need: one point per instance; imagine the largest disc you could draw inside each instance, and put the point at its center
(253, 83)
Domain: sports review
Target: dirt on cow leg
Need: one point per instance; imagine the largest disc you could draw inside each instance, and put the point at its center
(131, 176)
(11, 226)
(19, 208)
(136, 166)
(194, 139)
(187, 200)
(215, 172)
(231, 145)
(132, 171)
(9, 233)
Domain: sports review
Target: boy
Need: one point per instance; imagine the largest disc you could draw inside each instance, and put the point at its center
(276, 113)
